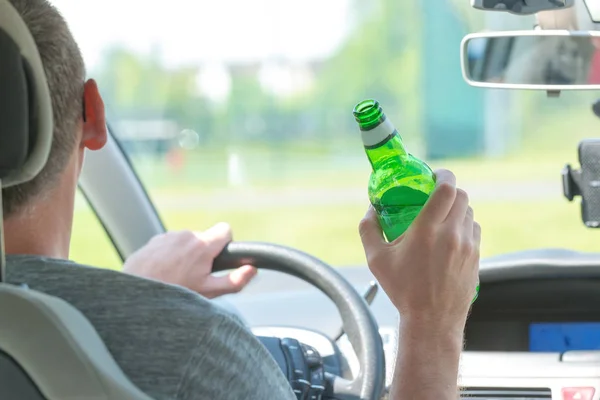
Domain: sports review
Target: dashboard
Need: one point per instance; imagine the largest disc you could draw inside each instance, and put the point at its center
(517, 309)
(532, 309)
(548, 315)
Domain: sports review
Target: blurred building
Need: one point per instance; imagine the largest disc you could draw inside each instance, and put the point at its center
(147, 136)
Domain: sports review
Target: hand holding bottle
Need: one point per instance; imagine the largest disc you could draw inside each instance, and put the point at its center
(400, 183)
(430, 273)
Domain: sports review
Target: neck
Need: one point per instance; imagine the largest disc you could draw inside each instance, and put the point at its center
(42, 228)
(390, 151)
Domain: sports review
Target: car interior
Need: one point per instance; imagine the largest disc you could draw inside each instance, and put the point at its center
(532, 333)
(41, 331)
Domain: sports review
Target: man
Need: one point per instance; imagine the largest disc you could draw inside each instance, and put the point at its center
(173, 343)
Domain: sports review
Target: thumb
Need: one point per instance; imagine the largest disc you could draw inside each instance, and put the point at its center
(370, 231)
(231, 283)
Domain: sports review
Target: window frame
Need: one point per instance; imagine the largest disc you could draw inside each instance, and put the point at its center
(130, 219)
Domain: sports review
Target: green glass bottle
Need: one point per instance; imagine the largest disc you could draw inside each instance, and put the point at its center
(400, 183)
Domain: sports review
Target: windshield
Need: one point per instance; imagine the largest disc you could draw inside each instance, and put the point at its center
(241, 111)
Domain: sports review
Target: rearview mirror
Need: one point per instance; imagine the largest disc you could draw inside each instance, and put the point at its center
(539, 60)
(521, 7)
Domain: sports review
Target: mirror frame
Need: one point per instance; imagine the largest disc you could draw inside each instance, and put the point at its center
(464, 60)
(528, 10)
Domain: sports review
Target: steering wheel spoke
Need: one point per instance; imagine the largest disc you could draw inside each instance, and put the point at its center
(339, 388)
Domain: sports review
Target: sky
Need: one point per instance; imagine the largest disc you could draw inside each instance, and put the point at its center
(192, 31)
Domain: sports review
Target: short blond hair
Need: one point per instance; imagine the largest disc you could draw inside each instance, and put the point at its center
(65, 72)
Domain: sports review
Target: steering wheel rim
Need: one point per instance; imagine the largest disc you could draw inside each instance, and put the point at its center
(358, 322)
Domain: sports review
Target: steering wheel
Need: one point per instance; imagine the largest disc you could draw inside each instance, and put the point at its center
(357, 320)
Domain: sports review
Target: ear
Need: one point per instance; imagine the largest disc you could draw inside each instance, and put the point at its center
(94, 119)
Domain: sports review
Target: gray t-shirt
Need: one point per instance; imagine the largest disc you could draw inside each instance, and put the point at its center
(172, 343)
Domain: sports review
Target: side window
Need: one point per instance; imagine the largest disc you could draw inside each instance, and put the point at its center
(90, 244)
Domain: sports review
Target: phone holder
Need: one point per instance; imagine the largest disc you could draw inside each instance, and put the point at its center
(585, 182)
(571, 179)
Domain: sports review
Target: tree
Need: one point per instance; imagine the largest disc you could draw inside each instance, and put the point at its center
(379, 60)
(472, 18)
(140, 87)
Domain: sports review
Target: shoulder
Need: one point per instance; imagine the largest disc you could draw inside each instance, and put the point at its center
(203, 347)
(229, 362)
(97, 289)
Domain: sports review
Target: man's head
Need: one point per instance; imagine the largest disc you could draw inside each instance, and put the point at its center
(79, 122)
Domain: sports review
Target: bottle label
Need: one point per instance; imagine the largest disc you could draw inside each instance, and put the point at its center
(378, 135)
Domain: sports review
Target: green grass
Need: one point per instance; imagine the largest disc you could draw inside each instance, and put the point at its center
(330, 233)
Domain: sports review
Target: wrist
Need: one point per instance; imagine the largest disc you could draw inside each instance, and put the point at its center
(432, 332)
(428, 351)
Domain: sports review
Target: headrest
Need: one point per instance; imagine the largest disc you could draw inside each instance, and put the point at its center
(25, 105)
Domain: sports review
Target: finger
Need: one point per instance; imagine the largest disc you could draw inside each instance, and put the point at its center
(370, 231)
(231, 283)
(477, 235)
(477, 244)
(458, 212)
(476, 249)
(216, 238)
(441, 200)
(468, 223)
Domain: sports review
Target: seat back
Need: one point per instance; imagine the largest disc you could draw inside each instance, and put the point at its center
(53, 351)
(15, 381)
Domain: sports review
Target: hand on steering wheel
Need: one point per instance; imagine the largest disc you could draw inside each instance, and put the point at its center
(185, 258)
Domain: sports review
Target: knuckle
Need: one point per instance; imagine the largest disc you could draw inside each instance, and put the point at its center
(201, 243)
(376, 259)
(372, 257)
(182, 233)
(472, 252)
(444, 172)
(454, 240)
(426, 233)
(187, 235)
(363, 226)
(470, 212)
(467, 247)
(476, 254)
(446, 189)
(476, 230)
(228, 231)
(462, 195)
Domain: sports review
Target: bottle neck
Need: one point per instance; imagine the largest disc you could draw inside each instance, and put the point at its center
(383, 144)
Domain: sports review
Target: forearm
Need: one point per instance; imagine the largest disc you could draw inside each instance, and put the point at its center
(427, 363)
